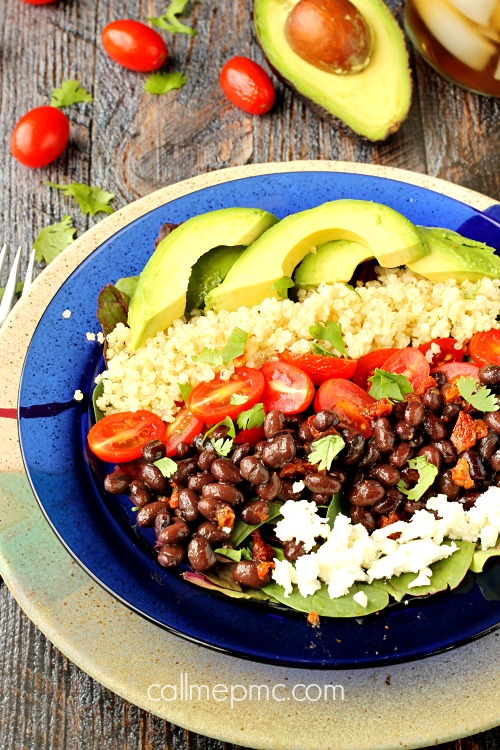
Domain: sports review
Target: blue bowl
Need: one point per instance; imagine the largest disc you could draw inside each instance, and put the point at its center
(99, 530)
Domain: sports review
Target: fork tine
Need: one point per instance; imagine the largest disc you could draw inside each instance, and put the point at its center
(29, 273)
(2, 257)
(9, 295)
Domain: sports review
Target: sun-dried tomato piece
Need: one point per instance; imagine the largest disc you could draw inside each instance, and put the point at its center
(380, 408)
(313, 619)
(464, 434)
(261, 550)
(263, 568)
(316, 433)
(451, 394)
(389, 520)
(481, 428)
(426, 385)
(174, 498)
(461, 474)
(225, 517)
(298, 467)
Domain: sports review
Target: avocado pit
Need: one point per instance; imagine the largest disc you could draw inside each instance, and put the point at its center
(332, 35)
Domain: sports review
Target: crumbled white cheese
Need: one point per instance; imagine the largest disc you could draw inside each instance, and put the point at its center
(78, 395)
(361, 598)
(66, 314)
(298, 486)
(90, 336)
(301, 522)
(423, 578)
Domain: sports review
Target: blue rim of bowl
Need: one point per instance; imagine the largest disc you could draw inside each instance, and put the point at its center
(304, 648)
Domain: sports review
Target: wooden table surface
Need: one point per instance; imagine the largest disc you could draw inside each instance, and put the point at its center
(131, 143)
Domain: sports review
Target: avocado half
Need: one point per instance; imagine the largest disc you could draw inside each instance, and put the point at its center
(373, 102)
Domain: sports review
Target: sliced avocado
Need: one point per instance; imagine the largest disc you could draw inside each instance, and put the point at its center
(452, 256)
(334, 261)
(160, 296)
(386, 234)
(208, 272)
(372, 102)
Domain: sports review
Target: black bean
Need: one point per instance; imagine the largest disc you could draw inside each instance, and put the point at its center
(246, 574)
(212, 533)
(411, 506)
(383, 434)
(371, 456)
(308, 448)
(433, 399)
(365, 517)
(355, 446)
(417, 441)
(287, 492)
(293, 550)
(147, 515)
(152, 476)
(386, 474)
(187, 507)
(338, 473)
(322, 484)
(224, 493)
(183, 450)
(153, 451)
(117, 483)
(447, 451)
(206, 457)
(208, 507)
(492, 419)
(279, 451)
(220, 433)
(487, 445)
(366, 493)
(253, 470)
(200, 555)
(450, 413)
(270, 489)
(240, 452)
(320, 499)
(224, 470)
(409, 476)
(171, 555)
(389, 503)
(489, 375)
(198, 442)
(400, 455)
(476, 466)
(274, 423)
(162, 520)
(432, 454)
(324, 420)
(495, 461)
(434, 427)
(140, 494)
(197, 481)
(255, 512)
(440, 378)
(448, 487)
(304, 432)
(398, 410)
(174, 533)
(414, 413)
(403, 430)
(258, 448)
(185, 469)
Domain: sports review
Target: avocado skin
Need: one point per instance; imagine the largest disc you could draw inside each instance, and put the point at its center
(452, 256)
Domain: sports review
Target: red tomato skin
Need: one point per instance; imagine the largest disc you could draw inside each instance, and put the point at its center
(447, 354)
(211, 401)
(367, 365)
(287, 388)
(134, 46)
(484, 348)
(184, 428)
(247, 85)
(40, 136)
(454, 370)
(347, 400)
(320, 368)
(38, 2)
(253, 436)
(408, 362)
(106, 437)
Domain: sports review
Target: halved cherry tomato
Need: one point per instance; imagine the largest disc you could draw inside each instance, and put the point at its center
(455, 370)
(408, 362)
(347, 400)
(253, 436)
(122, 436)
(368, 364)
(287, 388)
(448, 352)
(247, 85)
(40, 136)
(320, 368)
(484, 348)
(211, 401)
(183, 429)
(134, 45)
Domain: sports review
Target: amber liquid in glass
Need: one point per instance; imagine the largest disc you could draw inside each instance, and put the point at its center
(460, 39)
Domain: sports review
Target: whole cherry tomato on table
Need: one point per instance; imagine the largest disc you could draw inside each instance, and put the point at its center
(134, 46)
(40, 136)
(38, 2)
(320, 368)
(247, 85)
(287, 388)
(121, 437)
(484, 348)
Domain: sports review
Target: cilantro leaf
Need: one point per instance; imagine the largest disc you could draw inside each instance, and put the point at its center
(166, 466)
(90, 199)
(162, 83)
(480, 398)
(253, 417)
(169, 20)
(389, 385)
(282, 286)
(209, 357)
(228, 422)
(332, 333)
(324, 451)
(470, 292)
(235, 345)
(427, 474)
(237, 399)
(185, 389)
(222, 447)
(353, 289)
(55, 238)
(70, 93)
(322, 351)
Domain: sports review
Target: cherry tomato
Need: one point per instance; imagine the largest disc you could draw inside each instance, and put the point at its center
(320, 368)
(183, 429)
(347, 400)
(408, 362)
(211, 401)
(122, 436)
(287, 388)
(253, 436)
(368, 364)
(448, 352)
(484, 348)
(247, 85)
(455, 370)
(38, 2)
(134, 45)
(40, 136)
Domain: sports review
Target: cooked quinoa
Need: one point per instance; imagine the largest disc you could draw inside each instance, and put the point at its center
(399, 309)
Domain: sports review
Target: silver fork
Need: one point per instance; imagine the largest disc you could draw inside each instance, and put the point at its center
(9, 295)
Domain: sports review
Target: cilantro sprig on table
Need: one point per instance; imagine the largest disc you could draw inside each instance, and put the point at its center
(169, 21)
(234, 348)
(91, 199)
(427, 473)
(324, 450)
(162, 83)
(479, 397)
(53, 239)
(70, 93)
(389, 385)
(331, 333)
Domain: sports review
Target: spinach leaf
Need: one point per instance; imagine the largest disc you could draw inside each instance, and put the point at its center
(242, 530)
(97, 393)
(320, 602)
(447, 573)
(481, 556)
(210, 582)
